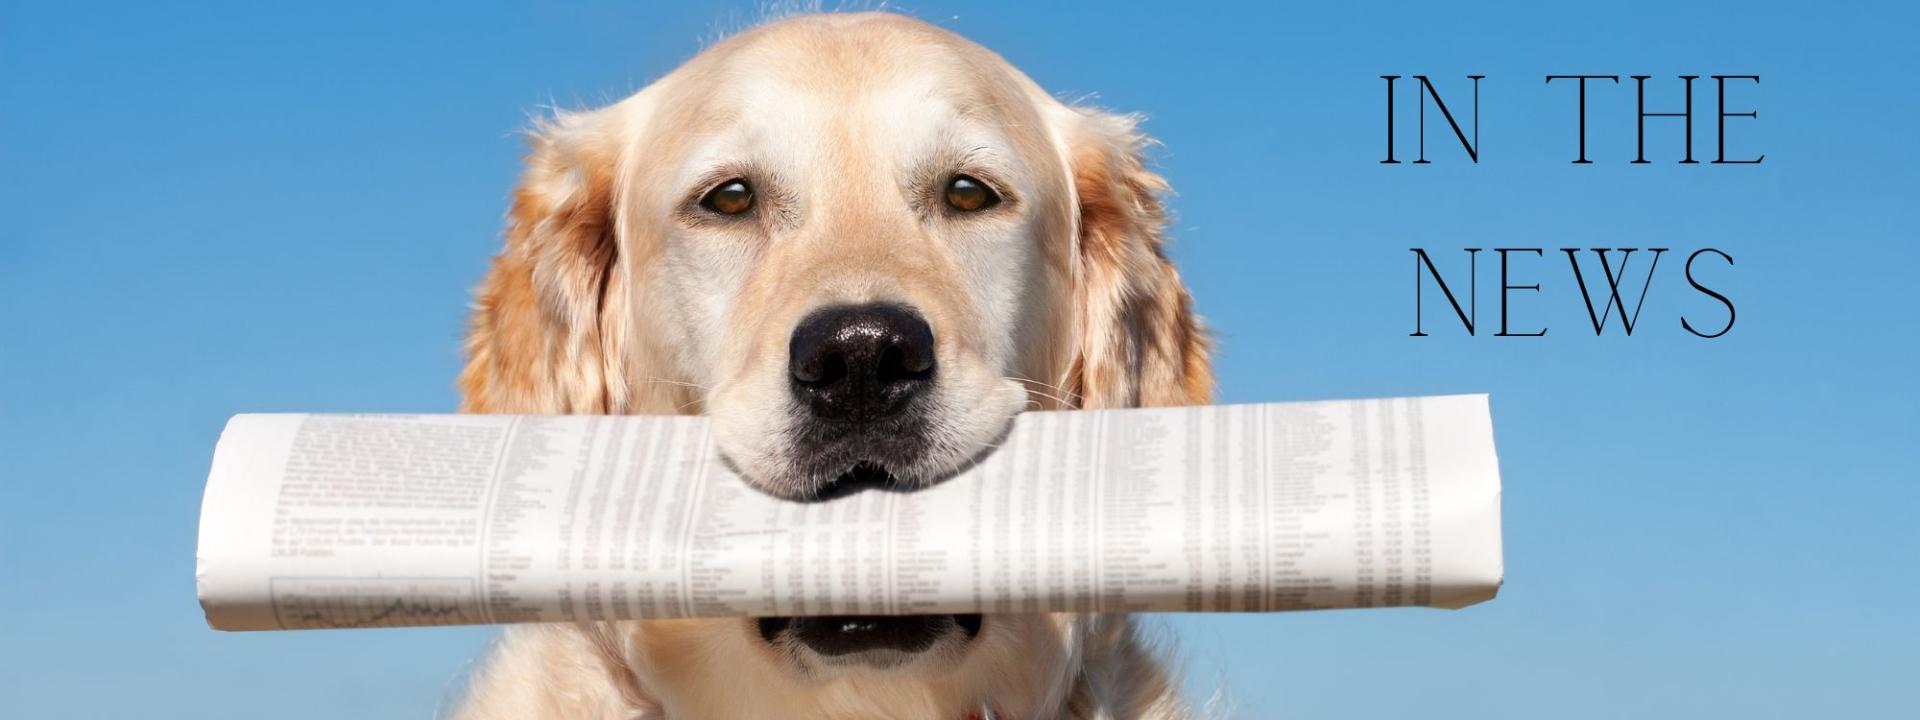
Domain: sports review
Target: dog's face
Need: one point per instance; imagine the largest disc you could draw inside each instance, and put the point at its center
(860, 242)
(862, 245)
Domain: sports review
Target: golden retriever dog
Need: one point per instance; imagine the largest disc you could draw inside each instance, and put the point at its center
(861, 245)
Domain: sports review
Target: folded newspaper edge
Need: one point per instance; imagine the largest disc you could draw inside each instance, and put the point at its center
(337, 521)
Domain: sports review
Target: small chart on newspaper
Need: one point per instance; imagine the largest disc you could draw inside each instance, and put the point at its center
(313, 603)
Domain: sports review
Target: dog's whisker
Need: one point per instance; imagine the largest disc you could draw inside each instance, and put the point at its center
(1063, 401)
(696, 386)
(1047, 385)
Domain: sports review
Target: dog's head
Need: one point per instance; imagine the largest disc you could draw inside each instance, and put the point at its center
(860, 243)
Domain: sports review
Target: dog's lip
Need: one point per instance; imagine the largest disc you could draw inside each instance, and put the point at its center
(826, 449)
(876, 637)
(863, 475)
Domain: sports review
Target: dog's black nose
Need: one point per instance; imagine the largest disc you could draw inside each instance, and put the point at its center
(860, 363)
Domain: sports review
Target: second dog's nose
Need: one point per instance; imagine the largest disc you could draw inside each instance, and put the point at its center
(860, 363)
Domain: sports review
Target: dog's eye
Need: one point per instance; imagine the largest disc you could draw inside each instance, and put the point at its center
(731, 198)
(967, 194)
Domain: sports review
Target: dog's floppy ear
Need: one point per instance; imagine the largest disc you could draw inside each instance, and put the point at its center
(547, 330)
(1139, 342)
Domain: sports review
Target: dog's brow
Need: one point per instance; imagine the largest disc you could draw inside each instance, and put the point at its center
(969, 156)
(978, 111)
(964, 154)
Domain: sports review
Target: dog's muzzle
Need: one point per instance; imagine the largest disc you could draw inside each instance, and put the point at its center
(860, 376)
(860, 372)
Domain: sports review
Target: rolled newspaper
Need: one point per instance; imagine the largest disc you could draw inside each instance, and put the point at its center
(340, 521)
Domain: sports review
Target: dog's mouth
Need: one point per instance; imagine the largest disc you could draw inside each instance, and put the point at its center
(867, 641)
(877, 641)
(864, 475)
(834, 460)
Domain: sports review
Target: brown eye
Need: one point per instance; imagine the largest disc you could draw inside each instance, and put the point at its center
(967, 194)
(731, 198)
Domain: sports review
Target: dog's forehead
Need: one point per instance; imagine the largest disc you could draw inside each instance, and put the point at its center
(890, 116)
(876, 88)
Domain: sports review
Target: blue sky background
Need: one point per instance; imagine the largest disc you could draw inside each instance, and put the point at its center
(230, 208)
